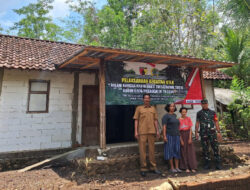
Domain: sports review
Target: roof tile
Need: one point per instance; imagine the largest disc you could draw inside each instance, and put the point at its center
(25, 53)
(215, 75)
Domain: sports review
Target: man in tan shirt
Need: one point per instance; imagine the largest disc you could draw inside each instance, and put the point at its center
(146, 127)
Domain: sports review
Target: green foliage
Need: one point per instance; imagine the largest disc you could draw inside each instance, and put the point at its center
(234, 46)
(166, 26)
(35, 22)
(240, 107)
(242, 98)
(238, 11)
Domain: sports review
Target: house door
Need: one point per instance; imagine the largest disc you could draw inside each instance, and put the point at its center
(90, 115)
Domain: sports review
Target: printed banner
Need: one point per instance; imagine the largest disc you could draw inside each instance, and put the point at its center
(126, 82)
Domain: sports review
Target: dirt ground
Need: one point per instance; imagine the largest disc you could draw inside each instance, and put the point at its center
(67, 178)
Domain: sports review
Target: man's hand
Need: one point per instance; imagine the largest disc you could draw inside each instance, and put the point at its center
(165, 139)
(219, 137)
(136, 135)
(158, 134)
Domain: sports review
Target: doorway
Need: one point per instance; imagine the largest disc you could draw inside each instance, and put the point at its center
(120, 123)
(90, 115)
(119, 119)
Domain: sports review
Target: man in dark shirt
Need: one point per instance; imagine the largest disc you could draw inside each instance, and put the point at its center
(207, 121)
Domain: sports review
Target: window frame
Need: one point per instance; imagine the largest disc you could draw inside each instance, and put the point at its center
(39, 92)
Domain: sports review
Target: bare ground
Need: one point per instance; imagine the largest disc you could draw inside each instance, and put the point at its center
(68, 178)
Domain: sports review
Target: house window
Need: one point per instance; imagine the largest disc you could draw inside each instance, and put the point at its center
(38, 98)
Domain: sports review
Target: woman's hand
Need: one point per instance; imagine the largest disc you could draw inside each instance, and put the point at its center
(165, 139)
(197, 136)
(182, 142)
(190, 141)
(219, 137)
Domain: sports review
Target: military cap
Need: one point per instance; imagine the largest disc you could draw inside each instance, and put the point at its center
(204, 101)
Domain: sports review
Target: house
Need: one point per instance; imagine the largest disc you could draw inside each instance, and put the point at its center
(52, 94)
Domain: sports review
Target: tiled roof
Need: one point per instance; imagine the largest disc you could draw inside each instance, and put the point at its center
(209, 75)
(26, 53)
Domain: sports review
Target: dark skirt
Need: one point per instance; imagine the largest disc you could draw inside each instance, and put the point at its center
(188, 157)
(172, 147)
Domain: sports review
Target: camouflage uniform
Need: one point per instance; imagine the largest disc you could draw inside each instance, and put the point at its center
(208, 134)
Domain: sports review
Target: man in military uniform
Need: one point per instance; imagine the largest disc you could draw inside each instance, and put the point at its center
(146, 127)
(207, 121)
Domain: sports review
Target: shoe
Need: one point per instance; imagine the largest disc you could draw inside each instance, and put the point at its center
(143, 174)
(173, 170)
(178, 170)
(156, 172)
(218, 166)
(206, 165)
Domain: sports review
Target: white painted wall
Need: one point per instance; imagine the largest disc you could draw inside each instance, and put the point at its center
(191, 113)
(24, 131)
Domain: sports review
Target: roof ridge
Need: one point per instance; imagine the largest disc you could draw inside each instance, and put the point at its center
(35, 39)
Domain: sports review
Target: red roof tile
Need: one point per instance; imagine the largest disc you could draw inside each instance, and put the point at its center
(25, 53)
(215, 75)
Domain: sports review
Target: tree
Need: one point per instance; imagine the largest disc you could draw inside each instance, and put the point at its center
(110, 26)
(36, 22)
(238, 11)
(235, 47)
(178, 27)
(166, 26)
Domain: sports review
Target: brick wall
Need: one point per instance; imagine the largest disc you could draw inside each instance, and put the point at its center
(22, 131)
(241, 182)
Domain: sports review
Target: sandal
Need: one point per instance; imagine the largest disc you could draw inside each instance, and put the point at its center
(173, 170)
(178, 170)
(187, 170)
(193, 171)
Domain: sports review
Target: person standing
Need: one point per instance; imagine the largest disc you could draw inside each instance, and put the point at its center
(207, 121)
(188, 159)
(171, 137)
(146, 127)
